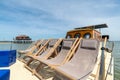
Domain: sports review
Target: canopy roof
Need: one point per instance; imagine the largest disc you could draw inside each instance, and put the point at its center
(93, 26)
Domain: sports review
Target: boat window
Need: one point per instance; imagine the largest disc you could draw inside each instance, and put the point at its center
(77, 35)
(69, 36)
(87, 35)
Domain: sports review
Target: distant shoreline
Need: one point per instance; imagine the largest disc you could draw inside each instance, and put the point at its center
(32, 41)
(8, 42)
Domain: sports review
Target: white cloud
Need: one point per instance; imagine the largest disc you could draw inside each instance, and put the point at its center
(45, 17)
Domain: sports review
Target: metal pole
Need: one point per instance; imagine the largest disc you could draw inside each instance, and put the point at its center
(102, 66)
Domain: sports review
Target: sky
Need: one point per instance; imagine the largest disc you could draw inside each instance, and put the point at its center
(42, 19)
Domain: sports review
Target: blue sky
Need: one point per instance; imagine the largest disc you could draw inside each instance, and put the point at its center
(53, 18)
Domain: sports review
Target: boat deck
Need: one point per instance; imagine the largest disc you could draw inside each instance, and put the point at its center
(18, 72)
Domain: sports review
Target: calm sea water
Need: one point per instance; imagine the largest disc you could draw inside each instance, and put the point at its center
(13, 46)
(116, 54)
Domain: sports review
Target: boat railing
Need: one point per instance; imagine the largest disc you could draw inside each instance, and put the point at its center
(105, 62)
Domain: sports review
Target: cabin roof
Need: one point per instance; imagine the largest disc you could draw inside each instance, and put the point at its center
(22, 36)
(94, 26)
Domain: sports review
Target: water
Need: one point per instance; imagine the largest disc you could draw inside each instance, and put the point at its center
(13, 46)
(116, 54)
(9, 46)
